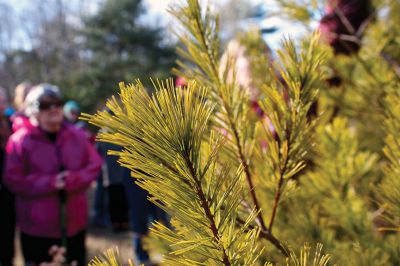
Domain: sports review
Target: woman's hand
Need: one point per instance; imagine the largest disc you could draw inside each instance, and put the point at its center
(58, 255)
(60, 180)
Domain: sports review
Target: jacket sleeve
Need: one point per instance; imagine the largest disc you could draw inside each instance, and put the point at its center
(18, 180)
(81, 179)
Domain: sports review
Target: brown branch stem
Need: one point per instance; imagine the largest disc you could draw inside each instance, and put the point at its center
(249, 180)
(276, 202)
(266, 234)
(390, 60)
(241, 156)
(206, 208)
(281, 180)
(237, 140)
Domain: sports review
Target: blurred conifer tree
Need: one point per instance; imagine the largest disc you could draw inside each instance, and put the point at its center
(119, 45)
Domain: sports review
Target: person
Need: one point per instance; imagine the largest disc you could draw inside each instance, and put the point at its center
(72, 111)
(21, 91)
(114, 174)
(7, 227)
(243, 65)
(19, 118)
(49, 166)
(71, 114)
(142, 213)
(100, 217)
(343, 24)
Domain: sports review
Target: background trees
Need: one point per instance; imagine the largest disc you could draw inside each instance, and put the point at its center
(120, 47)
(86, 54)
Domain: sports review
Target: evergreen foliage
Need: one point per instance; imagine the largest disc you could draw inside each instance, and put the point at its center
(242, 190)
(118, 46)
(389, 189)
(108, 258)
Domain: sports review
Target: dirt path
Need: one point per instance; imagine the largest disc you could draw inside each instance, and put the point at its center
(99, 240)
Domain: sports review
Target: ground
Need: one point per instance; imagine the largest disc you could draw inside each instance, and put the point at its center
(99, 240)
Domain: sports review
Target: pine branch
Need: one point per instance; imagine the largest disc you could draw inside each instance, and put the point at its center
(280, 184)
(270, 237)
(162, 137)
(305, 260)
(108, 258)
(395, 65)
(206, 208)
(276, 200)
(289, 118)
(199, 33)
(389, 189)
(249, 180)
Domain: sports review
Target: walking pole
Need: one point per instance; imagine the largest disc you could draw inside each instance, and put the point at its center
(63, 219)
(62, 199)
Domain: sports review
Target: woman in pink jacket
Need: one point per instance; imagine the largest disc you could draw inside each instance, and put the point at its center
(49, 167)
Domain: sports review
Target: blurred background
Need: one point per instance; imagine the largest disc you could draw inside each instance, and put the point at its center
(87, 47)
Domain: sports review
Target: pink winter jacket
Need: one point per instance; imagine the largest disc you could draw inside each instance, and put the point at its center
(33, 162)
(19, 120)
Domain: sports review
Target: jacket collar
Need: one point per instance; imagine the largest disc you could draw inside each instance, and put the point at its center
(36, 132)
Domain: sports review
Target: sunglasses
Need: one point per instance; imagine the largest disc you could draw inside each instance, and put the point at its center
(43, 106)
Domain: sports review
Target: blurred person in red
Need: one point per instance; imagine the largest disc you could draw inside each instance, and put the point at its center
(7, 227)
(19, 118)
(244, 65)
(343, 24)
(342, 27)
(180, 82)
(49, 167)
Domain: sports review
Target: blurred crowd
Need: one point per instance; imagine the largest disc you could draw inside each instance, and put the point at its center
(49, 160)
